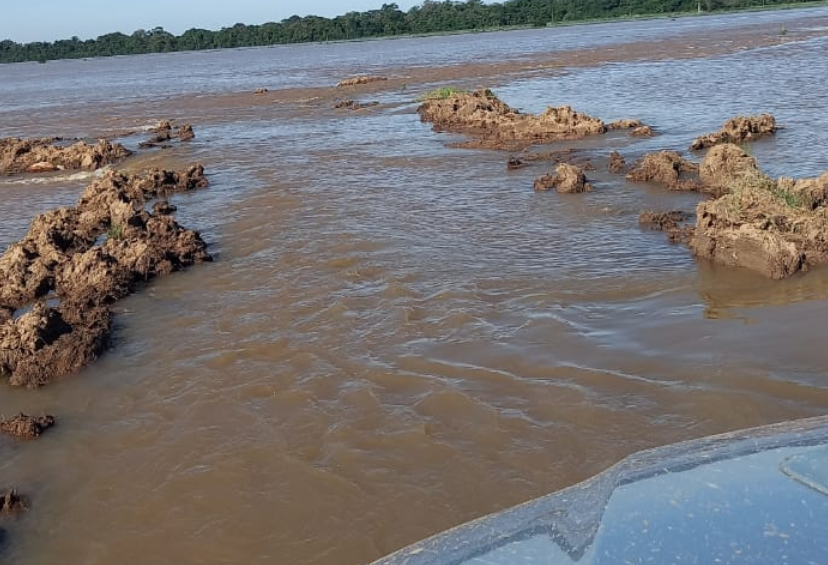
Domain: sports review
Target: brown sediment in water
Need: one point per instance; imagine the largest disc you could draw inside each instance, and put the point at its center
(529, 158)
(26, 427)
(775, 227)
(616, 163)
(674, 223)
(625, 124)
(12, 502)
(62, 257)
(567, 179)
(166, 132)
(42, 155)
(354, 105)
(360, 80)
(740, 129)
(643, 131)
(496, 125)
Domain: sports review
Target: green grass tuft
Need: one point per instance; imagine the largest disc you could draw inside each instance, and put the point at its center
(442, 93)
(116, 231)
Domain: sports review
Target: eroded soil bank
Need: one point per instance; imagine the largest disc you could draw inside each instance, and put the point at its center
(777, 227)
(85, 258)
(496, 125)
(44, 155)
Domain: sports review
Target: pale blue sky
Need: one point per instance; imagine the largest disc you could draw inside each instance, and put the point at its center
(47, 20)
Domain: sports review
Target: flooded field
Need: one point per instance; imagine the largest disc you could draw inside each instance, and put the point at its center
(397, 336)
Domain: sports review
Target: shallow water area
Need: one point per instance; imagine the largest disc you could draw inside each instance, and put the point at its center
(398, 336)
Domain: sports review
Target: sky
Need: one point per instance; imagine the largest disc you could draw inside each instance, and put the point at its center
(48, 20)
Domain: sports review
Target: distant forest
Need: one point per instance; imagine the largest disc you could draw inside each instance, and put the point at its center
(389, 20)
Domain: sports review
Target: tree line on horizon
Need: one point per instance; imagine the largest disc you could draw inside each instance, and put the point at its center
(429, 17)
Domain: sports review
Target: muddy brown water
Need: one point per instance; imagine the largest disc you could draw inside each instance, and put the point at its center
(397, 337)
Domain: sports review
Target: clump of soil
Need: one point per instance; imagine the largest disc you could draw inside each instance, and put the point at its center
(515, 163)
(166, 132)
(27, 427)
(12, 503)
(568, 179)
(775, 227)
(642, 131)
(667, 168)
(39, 155)
(673, 223)
(86, 257)
(616, 164)
(725, 165)
(354, 105)
(496, 125)
(625, 124)
(738, 130)
(360, 80)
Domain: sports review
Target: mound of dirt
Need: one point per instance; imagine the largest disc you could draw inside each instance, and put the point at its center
(738, 130)
(775, 227)
(673, 223)
(568, 179)
(496, 125)
(12, 503)
(166, 132)
(667, 168)
(27, 427)
(616, 164)
(86, 257)
(38, 155)
(724, 165)
(360, 80)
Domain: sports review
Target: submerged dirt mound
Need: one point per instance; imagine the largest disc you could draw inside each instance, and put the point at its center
(166, 132)
(27, 427)
(360, 80)
(86, 257)
(643, 131)
(567, 179)
(625, 124)
(354, 105)
(12, 503)
(738, 130)
(496, 125)
(673, 223)
(665, 167)
(39, 155)
(774, 227)
(616, 163)
(556, 156)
